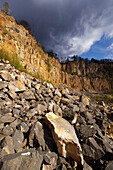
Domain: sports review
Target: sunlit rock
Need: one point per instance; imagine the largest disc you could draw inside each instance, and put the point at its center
(65, 137)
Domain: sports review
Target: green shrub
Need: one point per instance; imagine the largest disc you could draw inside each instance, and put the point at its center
(97, 98)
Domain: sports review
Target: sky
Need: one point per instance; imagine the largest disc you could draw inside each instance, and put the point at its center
(69, 27)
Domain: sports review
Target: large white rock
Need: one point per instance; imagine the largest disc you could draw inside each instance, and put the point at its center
(65, 137)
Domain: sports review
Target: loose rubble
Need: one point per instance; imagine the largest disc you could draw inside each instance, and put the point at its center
(26, 141)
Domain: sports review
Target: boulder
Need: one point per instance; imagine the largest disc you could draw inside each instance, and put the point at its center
(7, 119)
(26, 160)
(8, 145)
(37, 133)
(65, 137)
(18, 140)
(92, 150)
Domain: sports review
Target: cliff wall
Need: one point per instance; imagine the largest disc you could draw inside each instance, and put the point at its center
(16, 40)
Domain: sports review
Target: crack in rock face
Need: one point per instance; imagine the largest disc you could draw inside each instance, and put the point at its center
(65, 137)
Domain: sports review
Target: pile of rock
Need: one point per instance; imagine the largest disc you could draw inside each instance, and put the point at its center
(45, 127)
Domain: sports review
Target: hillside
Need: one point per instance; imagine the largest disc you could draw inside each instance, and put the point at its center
(18, 43)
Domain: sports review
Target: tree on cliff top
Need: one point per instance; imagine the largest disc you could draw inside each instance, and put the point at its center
(6, 7)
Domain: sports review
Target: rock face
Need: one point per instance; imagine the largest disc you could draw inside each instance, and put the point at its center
(65, 137)
(17, 41)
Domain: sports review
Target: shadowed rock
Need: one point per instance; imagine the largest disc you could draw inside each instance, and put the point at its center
(65, 137)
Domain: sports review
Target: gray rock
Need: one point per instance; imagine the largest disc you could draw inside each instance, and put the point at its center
(7, 131)
(85, 131)
(104, 144)
(31, 113)
(41, 108)
(37, 132)
(15, 123)
(65, 101)
(84, 100)
(23, 127)
(29, 95)
(18, 140)
(86, 115)
(51, 159)
(24, 161)
(86, 167)
(56, 99)
(7, 119)
(5, 75)
(75, 108)
(82, 107)
(57, 109)
(58, 93)
(8, 146)
(92, 150)
(3, 85)
(12, 95)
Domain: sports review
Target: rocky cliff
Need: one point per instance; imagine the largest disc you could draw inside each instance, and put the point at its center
(88, 75)
(16, 40)
(48, 128)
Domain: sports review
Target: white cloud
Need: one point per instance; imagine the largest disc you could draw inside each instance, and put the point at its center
(110, 48)
(67, 26)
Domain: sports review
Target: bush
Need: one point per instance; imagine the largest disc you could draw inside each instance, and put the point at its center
(13, 59)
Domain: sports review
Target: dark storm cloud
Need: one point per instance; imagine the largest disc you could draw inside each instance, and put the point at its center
(66, 26)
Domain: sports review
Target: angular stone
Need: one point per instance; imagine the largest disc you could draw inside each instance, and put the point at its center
(57, 109)
(49, 85)
(7, 119)
(65, 100)
(58, 93)
(13, 88)
(29, 95)
(18, 140)
(86, 131)
(82, 107)
(41, 108)
(12, 95)
(21, 86)
(3, 85)
(37, 86)
(51, 159)
(92, 150)
(7, 131)
(86, 115)
(65, 91)
(15, 123)
(75, 108)
(56, 99)
(65, 137)
(23, 127)
(5, 75)
(84, 100)
(86, 167)
(37, 132)
(8, 146)
(29, 160)
(31, 113)
(104, 144)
